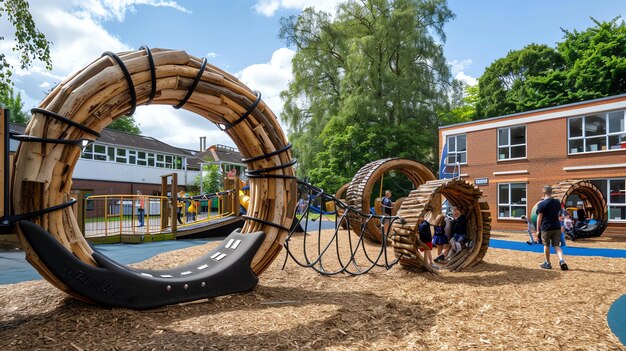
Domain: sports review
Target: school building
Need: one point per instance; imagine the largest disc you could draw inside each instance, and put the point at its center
(511, 157)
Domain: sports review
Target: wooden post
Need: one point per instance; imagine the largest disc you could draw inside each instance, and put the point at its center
(174, 203)
(236, 197)
(164, 208)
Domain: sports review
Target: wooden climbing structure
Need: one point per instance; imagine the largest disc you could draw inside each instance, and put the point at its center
(358, 192)
(425, 203)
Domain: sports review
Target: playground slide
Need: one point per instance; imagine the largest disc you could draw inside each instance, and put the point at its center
(244, 200)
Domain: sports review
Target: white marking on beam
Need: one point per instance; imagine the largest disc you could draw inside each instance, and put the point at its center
(521, 171)
(581, 168)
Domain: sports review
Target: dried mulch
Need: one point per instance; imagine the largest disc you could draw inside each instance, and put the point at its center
(505, 303)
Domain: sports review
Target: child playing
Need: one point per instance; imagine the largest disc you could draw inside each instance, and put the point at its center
(440, 239)
(425, 236)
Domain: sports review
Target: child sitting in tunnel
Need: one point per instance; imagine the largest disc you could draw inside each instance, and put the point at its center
(425, 236)
(440, 239)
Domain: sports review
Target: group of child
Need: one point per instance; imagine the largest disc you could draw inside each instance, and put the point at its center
(450, 236)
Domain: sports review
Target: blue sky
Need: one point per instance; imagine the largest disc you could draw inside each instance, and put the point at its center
(241, 37)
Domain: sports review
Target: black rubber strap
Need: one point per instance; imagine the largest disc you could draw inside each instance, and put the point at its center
(193, 86)
(271, 224)
(243, 117)
(152, 73)
(129, 81)
(268, 155)
(33, 139)
(29, 215)
(64, 119)
(253, 172)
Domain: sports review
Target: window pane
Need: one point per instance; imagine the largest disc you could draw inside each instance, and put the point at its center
(601, 184)
(141, 162)
(451, 159)
(518, 194)
(120, 159)
(518, 211)
(88, 148)
(99, 149)
(151, 161)
(462, 157)
(121, 152)
(504, 211)
(141, 154)
(595, 125)
(615, 142)
(100, 157)
(131, 160)
(159, 158)
(503, 153)
(503, 137)
(617, 213)
(616, 122)
(575, 127)
(87, 156)
(617, 194)
(111, 153)
(451, 144)
(596, 144)
(460, 143)
(575, 146)
(504, 194)
(518, 135)
(518, 151)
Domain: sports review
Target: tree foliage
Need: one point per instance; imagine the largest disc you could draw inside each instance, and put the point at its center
(369, 83)
(30, 43)
(586, 65)
(211, 181)
(14, 103)
(125, 124)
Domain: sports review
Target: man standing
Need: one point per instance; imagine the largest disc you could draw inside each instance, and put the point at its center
(549, 227)
(386, 203)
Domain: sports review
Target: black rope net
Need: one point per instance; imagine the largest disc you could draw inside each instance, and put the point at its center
(324, 241)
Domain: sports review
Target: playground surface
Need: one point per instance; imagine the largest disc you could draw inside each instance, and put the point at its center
(506, 302)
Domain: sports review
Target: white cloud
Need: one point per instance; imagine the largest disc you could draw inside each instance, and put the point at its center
(179, 128)
(270, 78)
(466, 78)
(117, 9)
(269, 7)
(458, 67)
(212, 55)
(44, 85)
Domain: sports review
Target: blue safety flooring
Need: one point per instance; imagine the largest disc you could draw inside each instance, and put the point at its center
(617, 318)
(14, 268)
(568, 250)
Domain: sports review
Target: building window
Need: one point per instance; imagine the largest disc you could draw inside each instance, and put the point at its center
(120, 155)
(141, 158)
(512, 143)
(168, 161)
(87, 152)
(457, 149)
(511, 200)
(132, 157)
(614, 191)
(599, 132)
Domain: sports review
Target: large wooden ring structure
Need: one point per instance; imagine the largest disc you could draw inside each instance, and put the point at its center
(359, 191)
(112, 86)
(594, 203)
(425, 203)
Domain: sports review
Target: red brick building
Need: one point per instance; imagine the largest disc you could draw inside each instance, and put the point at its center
(517, 154)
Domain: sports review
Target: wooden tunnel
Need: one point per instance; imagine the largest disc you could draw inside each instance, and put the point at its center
(425, 202)
(110, 87)
(358, 194)
(594, 203)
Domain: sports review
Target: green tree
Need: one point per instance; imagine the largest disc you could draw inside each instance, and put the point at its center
(211, 181)
(30, 43)
(367, 85)
(585, 65)
(125, 124)
(15, 104)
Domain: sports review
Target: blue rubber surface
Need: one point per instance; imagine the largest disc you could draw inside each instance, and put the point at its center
(15, 269)
(570, 251)
(617, 318)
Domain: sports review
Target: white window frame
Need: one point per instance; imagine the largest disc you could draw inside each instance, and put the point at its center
(584, 137)
(454, 152)
(509, 204)
(611, 204)
(509, 146)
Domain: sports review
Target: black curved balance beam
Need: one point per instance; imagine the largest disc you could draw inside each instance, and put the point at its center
(225, 270)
